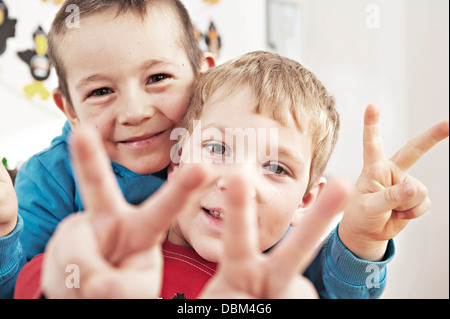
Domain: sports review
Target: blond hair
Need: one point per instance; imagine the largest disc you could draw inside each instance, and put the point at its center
(139, 8)
(283, 89)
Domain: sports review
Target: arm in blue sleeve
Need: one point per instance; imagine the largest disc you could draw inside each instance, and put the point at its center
(337, 273)
(44, 200)
(12, 259)
(46, 195)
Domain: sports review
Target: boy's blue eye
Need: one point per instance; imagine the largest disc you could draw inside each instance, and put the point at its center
(216, 148)
(157, 78)
(276, 169)
(100, 92)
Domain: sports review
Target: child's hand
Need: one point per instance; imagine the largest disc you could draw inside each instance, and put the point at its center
(8, 203)
(244, 272)
(386, 197)
(113, 248)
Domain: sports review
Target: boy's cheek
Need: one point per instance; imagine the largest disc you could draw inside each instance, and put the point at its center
(272, 230)
(177, 102)
(177, 112)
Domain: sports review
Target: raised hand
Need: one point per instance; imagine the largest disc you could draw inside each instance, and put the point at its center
(115, 246)
(8, 203)
(244, 272)
(386, 198)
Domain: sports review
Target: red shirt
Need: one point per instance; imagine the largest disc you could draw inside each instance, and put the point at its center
(185, 274)
(28, 281)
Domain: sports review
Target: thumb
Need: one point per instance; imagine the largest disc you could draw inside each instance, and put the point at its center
(392, 197)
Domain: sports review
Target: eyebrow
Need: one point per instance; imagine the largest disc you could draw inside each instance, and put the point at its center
(143, 66)
(157, 62)
(217, 126)
(92, 78)
(288, 152)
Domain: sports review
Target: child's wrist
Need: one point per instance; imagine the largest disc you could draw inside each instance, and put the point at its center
(363, 248)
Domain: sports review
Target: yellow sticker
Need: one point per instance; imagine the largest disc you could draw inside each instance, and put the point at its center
(2, 16)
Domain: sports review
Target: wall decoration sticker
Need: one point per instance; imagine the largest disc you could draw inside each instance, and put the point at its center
(55, 1)
(7, 27)
(213, 41)
(39, 63)
(197, 34)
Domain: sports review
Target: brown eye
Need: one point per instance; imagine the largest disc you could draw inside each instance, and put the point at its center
(157, 78)
(100, 92)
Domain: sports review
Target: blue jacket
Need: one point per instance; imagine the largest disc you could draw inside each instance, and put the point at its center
(47, 193)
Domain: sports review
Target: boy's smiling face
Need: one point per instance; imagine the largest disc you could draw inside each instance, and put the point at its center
(279, 179)
(132, 80)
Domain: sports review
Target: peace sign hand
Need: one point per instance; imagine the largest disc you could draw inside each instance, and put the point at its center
(114, 245)
(244, 272)
(386, 198)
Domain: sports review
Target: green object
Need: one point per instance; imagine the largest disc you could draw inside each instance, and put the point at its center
(5, 162)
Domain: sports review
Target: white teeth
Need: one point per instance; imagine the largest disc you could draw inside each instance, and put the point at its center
(215, 214)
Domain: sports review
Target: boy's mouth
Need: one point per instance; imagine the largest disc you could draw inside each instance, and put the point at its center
(142, 140)
(214, 212)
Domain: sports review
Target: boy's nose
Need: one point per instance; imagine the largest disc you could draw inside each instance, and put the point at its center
(135, 112)
(224, 181)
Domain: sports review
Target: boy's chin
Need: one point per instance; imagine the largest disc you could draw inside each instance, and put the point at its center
(144, 166)
(210, 252)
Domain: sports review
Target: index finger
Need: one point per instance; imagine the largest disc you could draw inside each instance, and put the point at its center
(409, 154)
(373, 150)
(240, 233)
(99, 189)
(155, 215)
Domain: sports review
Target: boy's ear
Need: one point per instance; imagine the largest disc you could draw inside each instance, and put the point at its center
(208, 62)
(58, 98)
(309, 199)
(63, 105)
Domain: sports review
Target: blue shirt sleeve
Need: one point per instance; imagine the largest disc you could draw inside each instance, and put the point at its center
(12, 259)
(45, 191)
(337, 273)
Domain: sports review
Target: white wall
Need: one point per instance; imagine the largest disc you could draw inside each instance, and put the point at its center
(358, 65)
(403, 66)
(421, 269)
